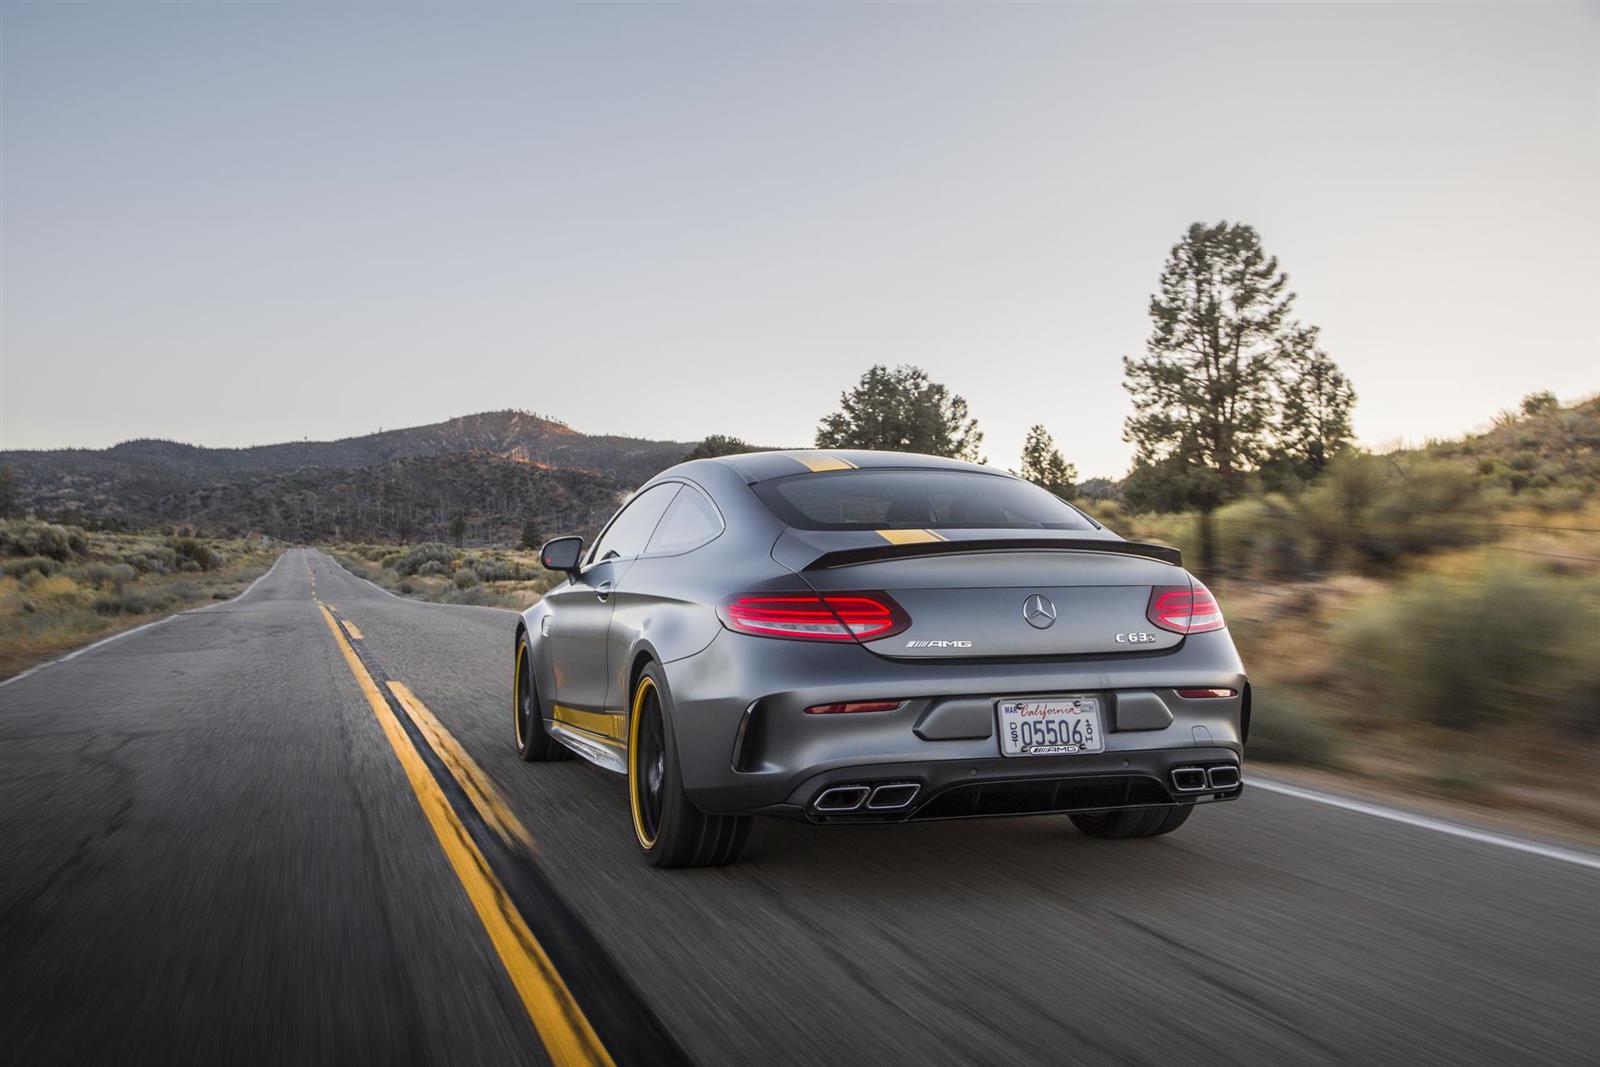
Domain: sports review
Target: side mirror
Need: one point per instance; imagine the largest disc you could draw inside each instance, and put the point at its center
(562, 554)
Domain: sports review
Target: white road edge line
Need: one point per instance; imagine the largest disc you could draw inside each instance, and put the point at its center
(1379, 811)
(75, 653)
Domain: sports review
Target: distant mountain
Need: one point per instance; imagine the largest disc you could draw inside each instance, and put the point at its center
(411, 499)
(146, 480)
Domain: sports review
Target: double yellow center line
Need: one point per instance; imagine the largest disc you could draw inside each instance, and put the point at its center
(565, 1030)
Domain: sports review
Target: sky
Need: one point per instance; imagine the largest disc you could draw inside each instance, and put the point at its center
(235, 224)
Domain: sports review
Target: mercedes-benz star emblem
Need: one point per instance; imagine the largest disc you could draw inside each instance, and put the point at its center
(1039, 612)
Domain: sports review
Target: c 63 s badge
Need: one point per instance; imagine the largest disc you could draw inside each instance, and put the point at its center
(1136, 639)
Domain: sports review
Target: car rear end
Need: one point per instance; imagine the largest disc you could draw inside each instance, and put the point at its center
(898, 672)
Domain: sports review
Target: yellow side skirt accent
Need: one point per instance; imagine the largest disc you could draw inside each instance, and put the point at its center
(604, 723)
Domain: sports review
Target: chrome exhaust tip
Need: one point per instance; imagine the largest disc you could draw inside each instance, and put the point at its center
(840, 798)
(1189, 779)
(892, 797)
(1223, 777)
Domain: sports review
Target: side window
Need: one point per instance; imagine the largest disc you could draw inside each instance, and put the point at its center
(628, 533)
(690, 522)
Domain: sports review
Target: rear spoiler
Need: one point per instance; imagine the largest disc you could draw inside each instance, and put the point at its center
(847, 556)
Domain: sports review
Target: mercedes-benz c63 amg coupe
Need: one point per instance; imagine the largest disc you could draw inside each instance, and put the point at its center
(848, 637)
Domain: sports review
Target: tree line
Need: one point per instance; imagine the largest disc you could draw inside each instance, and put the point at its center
(1232, 391)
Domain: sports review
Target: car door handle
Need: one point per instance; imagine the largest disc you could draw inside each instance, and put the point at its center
(602, 591)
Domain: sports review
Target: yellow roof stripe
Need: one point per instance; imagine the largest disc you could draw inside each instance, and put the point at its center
(826, 463)
(909, 537)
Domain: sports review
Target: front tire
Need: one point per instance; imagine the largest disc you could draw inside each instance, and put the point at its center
(671, 831)
(1140, 822)
(534, 743)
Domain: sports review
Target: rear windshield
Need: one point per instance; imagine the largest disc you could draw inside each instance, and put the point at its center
(906, 499)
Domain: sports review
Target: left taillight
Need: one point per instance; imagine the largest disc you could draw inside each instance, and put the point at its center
(810, 617)
(1184, 609)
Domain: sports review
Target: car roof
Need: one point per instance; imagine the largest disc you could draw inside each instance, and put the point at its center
(761, 466)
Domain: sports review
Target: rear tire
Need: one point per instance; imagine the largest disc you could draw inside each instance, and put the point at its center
(534, 743)
(1140, 822)
(671, 831)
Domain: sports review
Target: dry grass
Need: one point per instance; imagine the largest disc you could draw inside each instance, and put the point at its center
(1337, 704)
(63, 587)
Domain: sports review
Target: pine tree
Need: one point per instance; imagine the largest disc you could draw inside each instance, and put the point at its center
(1043, 465)
(900, 410)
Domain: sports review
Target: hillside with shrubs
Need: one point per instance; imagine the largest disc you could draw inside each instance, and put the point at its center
(437, 572)
(415, 499)
(1428, 619)
(62, 586)
(404, 484)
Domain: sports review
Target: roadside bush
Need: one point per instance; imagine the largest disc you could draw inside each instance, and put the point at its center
(491, 569)
(152, 559)
(98, 575)
(1373, 511)
(431, 568)
(28, 537)
(1284, 730)
(412, 561)
(1560, 499)
(195, 555)
(1509, 645)
(466, 578)
(16, 568)
(127, 602)
(1264, 536)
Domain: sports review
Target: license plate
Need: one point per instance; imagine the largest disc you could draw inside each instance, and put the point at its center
(1057, 727)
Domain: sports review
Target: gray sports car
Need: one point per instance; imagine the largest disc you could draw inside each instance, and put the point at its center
(850, 637)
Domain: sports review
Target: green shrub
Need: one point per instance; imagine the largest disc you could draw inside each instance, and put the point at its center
(127, 602)
(1560, 499)
(1373, 511)
(1513, 645)
(1284, 730)
(466, 578)
(195, 555)
(431, 568)
(494, 569)
(414, 560)
(152, 559)
(28, 537)
(98, 575)
(1264, 536)
(16, 568)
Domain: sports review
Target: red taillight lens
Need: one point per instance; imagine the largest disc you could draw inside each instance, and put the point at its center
(808, 617)
(1184, 609)
(855, 706)
(1205, 694)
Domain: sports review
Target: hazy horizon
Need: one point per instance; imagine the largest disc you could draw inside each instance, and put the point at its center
(246, 224)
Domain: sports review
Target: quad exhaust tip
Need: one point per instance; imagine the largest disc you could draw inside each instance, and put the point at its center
(1223, 777)
(841, 798)
(1189, 779)
(892, 797)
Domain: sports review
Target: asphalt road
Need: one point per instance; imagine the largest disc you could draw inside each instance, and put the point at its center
(210, 853)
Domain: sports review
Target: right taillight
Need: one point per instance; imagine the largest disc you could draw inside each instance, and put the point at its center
(1184, 609)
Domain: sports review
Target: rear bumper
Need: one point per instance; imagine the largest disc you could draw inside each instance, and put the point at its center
(746, 744)
(967, 789)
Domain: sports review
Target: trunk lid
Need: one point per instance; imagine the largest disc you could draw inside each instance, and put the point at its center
(984, 594)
